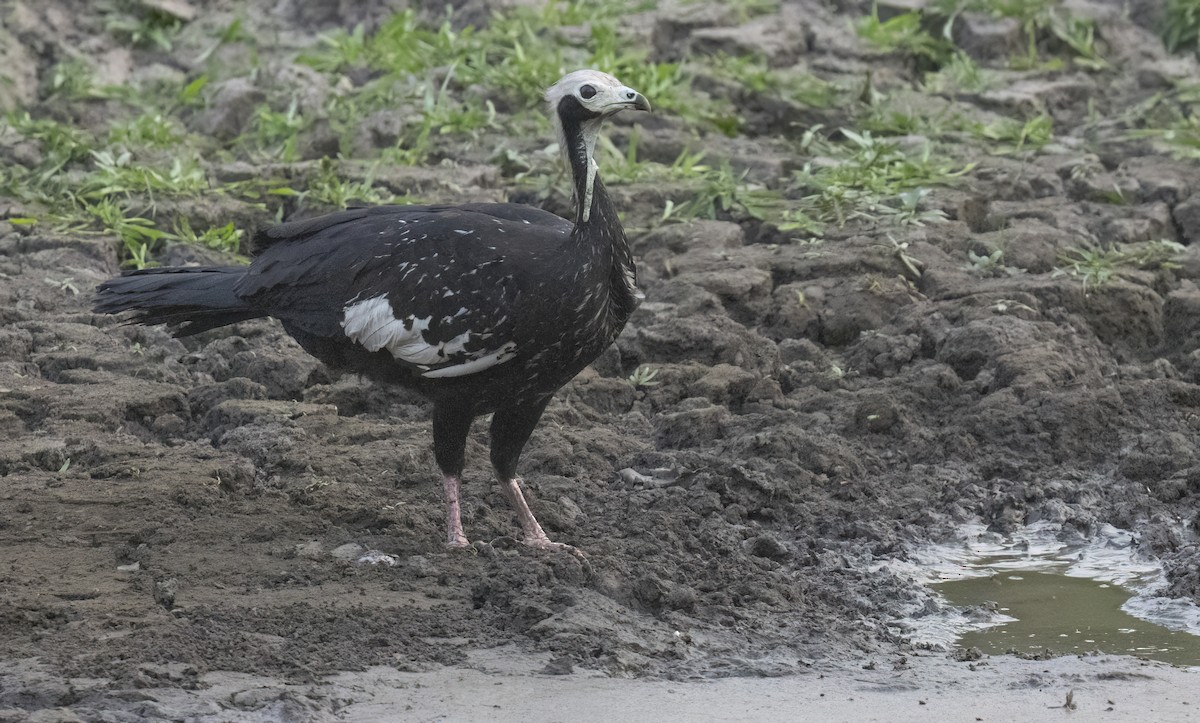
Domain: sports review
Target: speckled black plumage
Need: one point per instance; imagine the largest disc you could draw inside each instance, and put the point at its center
(495, 306)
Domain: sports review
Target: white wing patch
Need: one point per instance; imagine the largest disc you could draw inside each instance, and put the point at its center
(373, 324)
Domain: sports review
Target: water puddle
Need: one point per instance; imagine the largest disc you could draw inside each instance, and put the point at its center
(1035, 594)
(1065, 615)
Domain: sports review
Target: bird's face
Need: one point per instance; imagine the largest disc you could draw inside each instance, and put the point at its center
(590, 94)
(579, 103)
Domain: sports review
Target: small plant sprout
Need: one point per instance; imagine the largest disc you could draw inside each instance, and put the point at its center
(1005, 306)
(225, 238)
(643, 376)
(910, 212)
(1094, 268)
(988, 263)
(67, 285)
(912, 265)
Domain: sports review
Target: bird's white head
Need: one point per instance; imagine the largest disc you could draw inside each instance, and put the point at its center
(578, 102)
(597, 93)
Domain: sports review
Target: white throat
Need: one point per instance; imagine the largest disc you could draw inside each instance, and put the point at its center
(592, 168)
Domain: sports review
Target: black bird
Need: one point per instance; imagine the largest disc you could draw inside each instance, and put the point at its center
(483, 308)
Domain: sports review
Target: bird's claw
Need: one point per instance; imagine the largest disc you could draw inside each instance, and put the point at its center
(545, 543)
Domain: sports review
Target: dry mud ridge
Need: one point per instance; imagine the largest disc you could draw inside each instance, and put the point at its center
(170, 508)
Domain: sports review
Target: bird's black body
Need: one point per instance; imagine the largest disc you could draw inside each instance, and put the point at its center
(482, 308)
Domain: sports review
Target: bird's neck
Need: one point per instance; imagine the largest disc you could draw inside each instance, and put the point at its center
(597, 227)
(578, 140)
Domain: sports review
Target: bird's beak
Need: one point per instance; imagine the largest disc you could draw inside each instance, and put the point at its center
(629, 99)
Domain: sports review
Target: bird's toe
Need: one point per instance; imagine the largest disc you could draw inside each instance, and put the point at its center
(542, 543)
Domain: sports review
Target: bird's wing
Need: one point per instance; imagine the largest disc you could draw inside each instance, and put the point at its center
(435, 286)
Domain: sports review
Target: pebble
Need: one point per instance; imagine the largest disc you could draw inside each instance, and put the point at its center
(375, 557)
(348, 551)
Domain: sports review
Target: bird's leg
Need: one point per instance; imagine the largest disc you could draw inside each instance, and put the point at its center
(450, 428)
(535, 536)
(454, 529)
(511, 428)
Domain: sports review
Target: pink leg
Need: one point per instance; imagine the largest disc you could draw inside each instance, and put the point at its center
(454, 528)
(535, 536)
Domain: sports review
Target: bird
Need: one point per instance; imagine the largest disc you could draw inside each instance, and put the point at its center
(482, 308)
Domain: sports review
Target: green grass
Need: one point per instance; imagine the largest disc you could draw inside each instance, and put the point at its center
(754, 74)
(330, 188)
(139, 236)
(717, 191)
(276, 134)
(227, 238)
(926, 36)
(1181, 25)
(469, 94)
(141, 24)
(1171, 119)
(111, 177)
(906, 33)
(514, 55)
(71, 79)
(1014, 136)
(865, 177)
(149, 130)
(1095, 268)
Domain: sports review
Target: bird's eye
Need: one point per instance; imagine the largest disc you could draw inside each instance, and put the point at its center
(587, 92)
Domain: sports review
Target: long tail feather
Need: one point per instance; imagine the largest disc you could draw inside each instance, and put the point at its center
(187, 299)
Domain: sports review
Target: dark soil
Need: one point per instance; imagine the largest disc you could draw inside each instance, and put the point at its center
(734, 512)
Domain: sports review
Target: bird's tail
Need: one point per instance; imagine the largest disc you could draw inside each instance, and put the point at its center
(188, 299)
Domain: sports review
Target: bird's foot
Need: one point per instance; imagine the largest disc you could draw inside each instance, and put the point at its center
(459, 544)
(545, 543)
(535, 536)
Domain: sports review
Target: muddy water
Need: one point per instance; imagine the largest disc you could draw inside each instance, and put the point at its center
(1046, 589)
(1048, 612)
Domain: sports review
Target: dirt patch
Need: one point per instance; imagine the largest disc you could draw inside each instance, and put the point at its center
(173, 507)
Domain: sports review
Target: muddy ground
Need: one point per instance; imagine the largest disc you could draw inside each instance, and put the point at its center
(171, 508)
